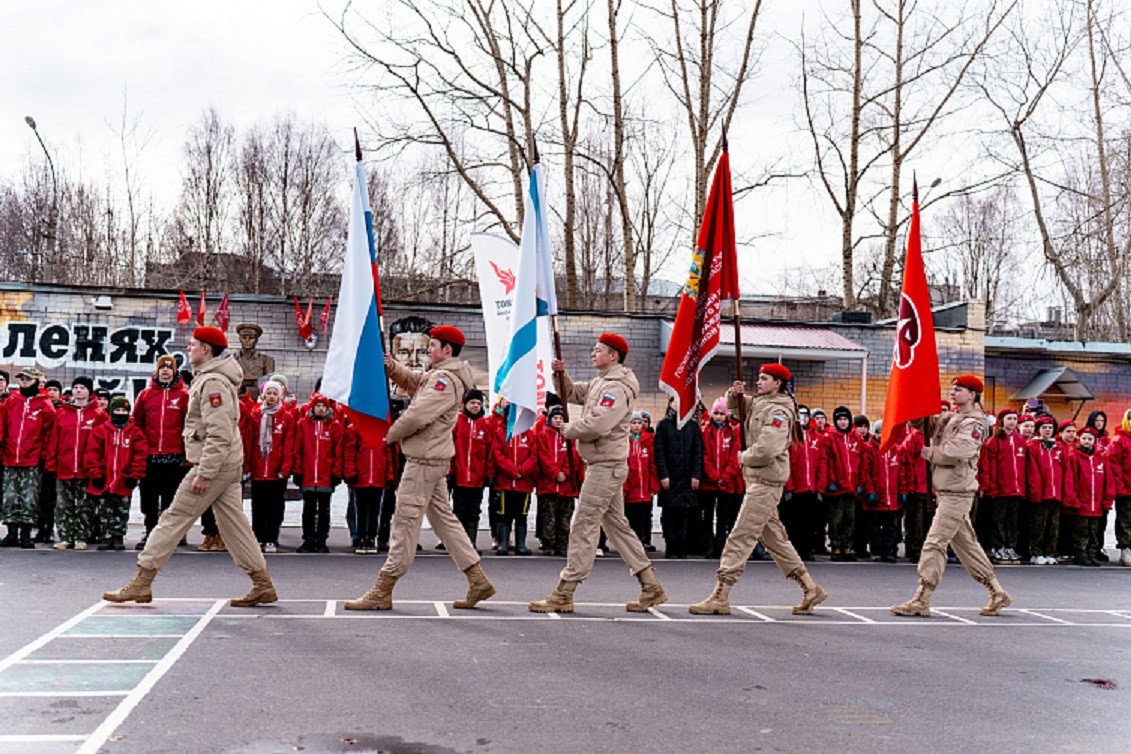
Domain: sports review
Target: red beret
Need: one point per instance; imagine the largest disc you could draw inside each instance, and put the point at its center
(1025, 418)
(970, 382)
(776, 370)
(1005, 412)
(1090, 431)
(447, 333)
(1065, 425)
(614, 341)
(213, 336)
(1043, 420)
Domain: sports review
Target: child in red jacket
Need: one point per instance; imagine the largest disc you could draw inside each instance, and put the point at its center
(560, 472)
(1001, 478)
(367, 470)
(317, 470)
(115, 463)
(865, 466)
(1093, 495)
(473, 436)
(839, 492)
(881, 508)
(801, 508)
(642, 482)
(515, 464)
(26, 416)
(269, 446)
(66, 450)
(719, 490)
(1046, 487)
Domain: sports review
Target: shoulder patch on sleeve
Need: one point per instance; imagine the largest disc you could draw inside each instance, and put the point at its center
(441, 384)
(215, 400)
(777, 421)
(976, 433)
(608, 400)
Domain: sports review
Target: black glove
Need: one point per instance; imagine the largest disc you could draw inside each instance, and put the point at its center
(298, 480)
(787, 497)
(335, 481)
(451, 480)
(98, 482)
(873, 498)
(831, 489)
(351, 479)
(130, 483)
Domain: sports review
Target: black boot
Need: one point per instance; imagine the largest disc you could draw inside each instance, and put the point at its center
(119, 543)
(520, 547)
(106, 544)
(472, 529)
(26, 542)
(12, 538)
(504, 537)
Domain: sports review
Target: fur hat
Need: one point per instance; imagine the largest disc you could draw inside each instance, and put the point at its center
(165, 360)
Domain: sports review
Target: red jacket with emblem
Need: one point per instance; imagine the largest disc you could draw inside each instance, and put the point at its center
(1093, 485)
(115, 454)
(160, 413)
(1001, 471)
(720, 458)
(865, 463)
(1046, 471)
(643, 479)
(808, 461)
(366, 465)
(67, 447)
(474, 437)
(25, 428)
(554, 457)
(318, 451)
(514, 464)
(277, 463)
(915, 466)
(890, 479)
(840, 461)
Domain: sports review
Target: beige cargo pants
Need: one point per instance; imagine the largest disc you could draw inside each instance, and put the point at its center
(951, 526)
(758, 519)
(601, 504)
(423, 491)
(225, 495)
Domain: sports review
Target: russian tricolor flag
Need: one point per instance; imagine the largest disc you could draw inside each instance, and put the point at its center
(354, 374)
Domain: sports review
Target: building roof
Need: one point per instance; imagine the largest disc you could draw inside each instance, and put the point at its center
(782, 342)
(1065, 381)
(1056, 347)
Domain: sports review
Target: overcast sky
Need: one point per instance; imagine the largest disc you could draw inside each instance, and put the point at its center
(71, 64)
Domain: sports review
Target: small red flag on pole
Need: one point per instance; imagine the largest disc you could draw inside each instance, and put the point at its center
(221, 317)
(324, 318)
(184, 311)
(201, 310)
(914, 388)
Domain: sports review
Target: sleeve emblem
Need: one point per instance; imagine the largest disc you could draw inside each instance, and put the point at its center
(215, 400)
(976, 433)
(778, 421)
(608, 400)
(441, 384)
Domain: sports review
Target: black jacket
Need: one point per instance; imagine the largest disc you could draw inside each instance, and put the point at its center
(679, 458)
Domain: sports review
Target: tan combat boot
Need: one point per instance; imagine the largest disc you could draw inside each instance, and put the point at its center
(380, 597)
(262, 591)
(717, 603)
(206, 545)
(218, 544)
(558, 601)
(478, 588)
(813, 593)
(137, 590)
(651, 592)
(999, 598)
(917, 606)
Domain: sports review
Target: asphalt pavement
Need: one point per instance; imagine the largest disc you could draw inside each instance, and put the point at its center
(190, 674)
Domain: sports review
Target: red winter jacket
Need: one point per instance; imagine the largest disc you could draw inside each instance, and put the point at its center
(366, 465)
(473, 436)
(160, 413)
(318, 451)
(720, 458)
(1001, 471)
(115, 454)
(1119, 456)
(71, 433)
(808, 461)
(915, 466)
(840, 462)
(554, 457)
(515, 463)
(1045, 472)
(277, 463)
(865, 457)
(25, 428)
(643, 479)
(1093, 486)
(890, 480)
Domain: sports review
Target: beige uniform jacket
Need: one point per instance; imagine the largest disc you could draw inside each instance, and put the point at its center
(212, 433)
(602, 429)
(956, 446)
(769, 421)
(424, 430)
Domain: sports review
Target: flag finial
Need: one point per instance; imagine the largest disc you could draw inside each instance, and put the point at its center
(914, 187)
(534, 144)
(356, 145)
(726, 146)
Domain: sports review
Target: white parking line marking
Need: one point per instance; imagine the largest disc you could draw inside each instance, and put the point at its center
(96, 739)
(121, 636)
(53, 694)
(953, 617)
(441, 610)
(330, 610)
(87, 662)
(658, 614)
(1035, 614)
(39, 738)
(755, 613)
(851, 614)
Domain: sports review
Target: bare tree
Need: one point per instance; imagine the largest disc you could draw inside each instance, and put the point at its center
(133, 140)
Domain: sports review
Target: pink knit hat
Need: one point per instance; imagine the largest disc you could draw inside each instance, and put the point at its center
(719, 406)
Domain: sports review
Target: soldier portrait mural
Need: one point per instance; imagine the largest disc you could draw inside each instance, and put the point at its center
(408, 342)
(256, 364)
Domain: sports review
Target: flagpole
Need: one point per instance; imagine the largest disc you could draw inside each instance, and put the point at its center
(369, 230)
(736, 322)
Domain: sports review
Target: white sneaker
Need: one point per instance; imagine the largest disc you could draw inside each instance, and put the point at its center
(61, 546)
(270, 547)
(80, 545)
(1036, 560)
(1125, 556)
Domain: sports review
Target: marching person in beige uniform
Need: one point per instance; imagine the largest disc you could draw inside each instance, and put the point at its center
(954, 451)
(602, 441)
(214, 446)
(771, 416)
(424, 431)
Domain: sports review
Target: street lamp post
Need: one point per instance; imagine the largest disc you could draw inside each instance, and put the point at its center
(53, 215)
